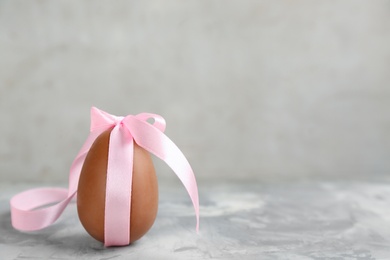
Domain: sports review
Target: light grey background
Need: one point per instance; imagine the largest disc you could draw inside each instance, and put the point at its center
(250, 89)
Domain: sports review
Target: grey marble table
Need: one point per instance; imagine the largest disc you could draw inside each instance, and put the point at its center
(296, 220)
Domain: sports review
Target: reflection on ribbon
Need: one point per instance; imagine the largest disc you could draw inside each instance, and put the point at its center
(28, 211)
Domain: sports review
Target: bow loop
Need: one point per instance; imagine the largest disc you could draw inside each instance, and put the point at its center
(159, 121)
(101, 119)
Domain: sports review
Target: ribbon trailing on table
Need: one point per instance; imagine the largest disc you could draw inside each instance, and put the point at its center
(29, 210)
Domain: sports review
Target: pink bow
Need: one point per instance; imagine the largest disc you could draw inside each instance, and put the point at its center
(126, 130)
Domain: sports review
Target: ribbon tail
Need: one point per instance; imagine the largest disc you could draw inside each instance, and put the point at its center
(153, 140)
(78, 162)
(28, 208)
(23, 215)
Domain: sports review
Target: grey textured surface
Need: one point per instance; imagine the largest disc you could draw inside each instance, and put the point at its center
(250, 89)
(307, 220)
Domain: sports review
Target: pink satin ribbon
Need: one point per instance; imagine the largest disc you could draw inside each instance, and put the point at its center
(28, 211)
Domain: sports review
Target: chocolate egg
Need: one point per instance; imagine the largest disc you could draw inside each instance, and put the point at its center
(91, 192)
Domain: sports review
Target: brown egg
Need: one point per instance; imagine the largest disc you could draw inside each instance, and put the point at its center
(92, 190)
